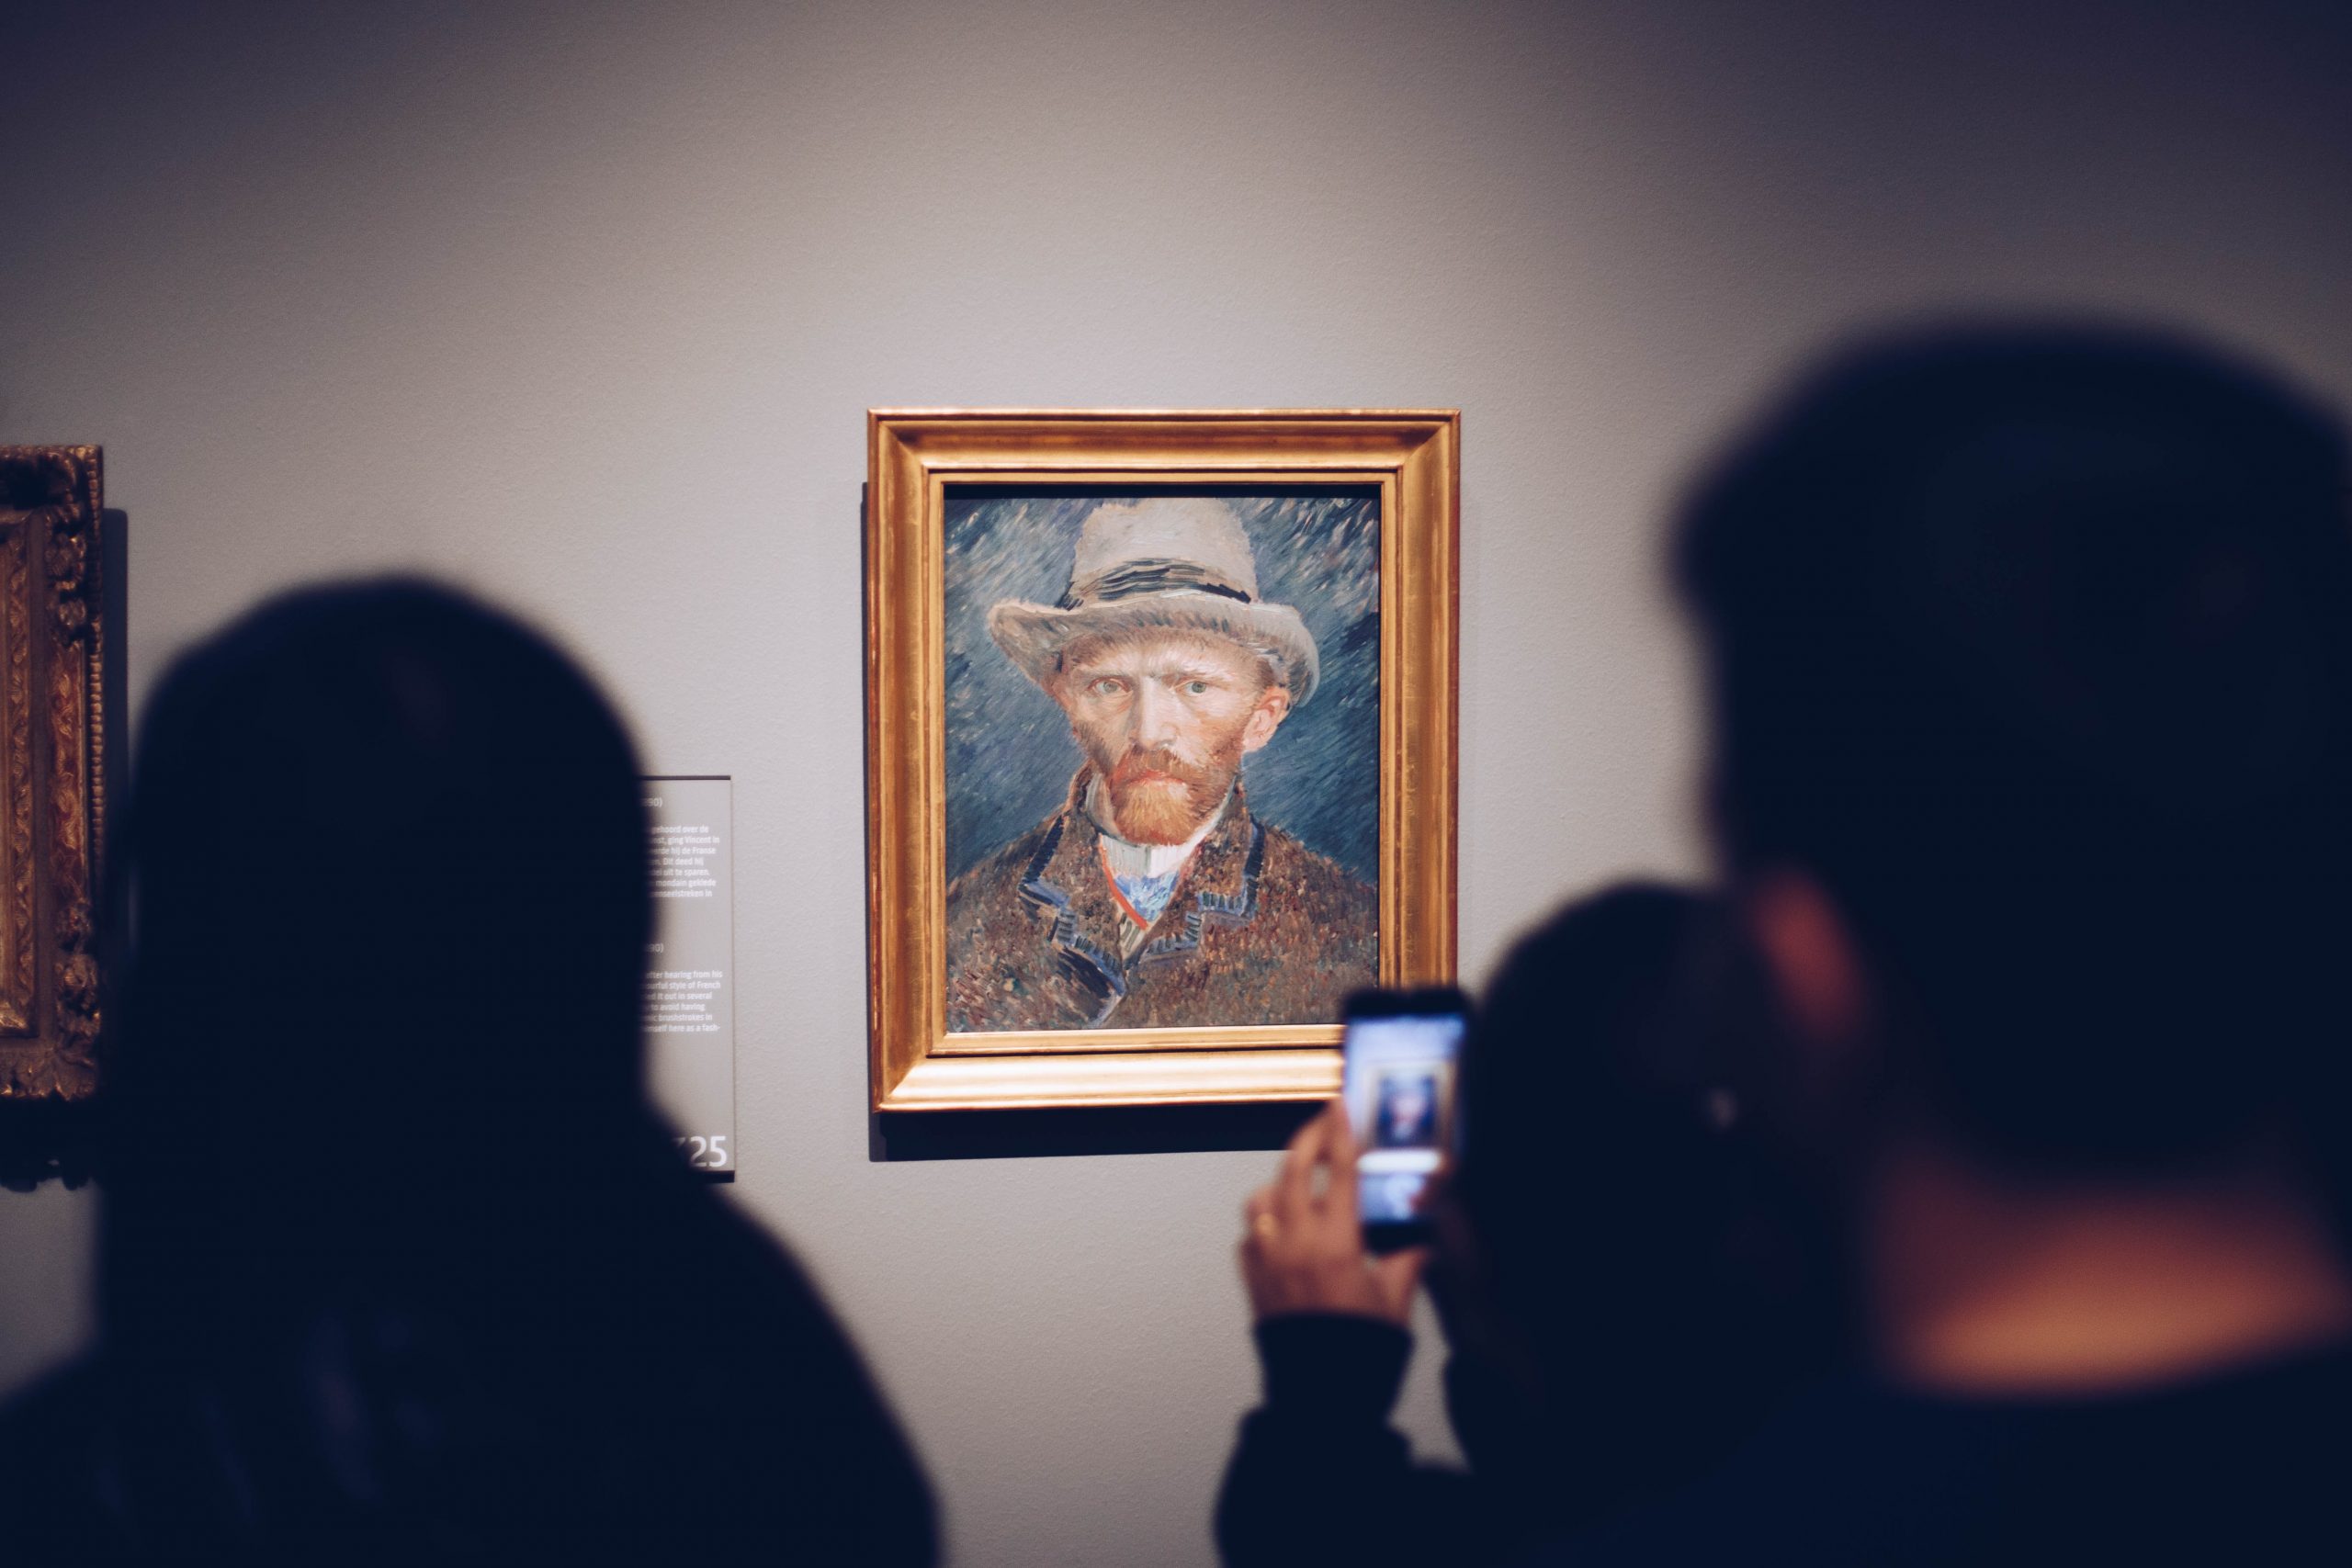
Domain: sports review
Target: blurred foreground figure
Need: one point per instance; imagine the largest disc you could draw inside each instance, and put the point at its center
(397, 1264)
(2032, 669)
(1626, 1286)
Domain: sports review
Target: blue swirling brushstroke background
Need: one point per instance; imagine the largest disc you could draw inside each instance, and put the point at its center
(1010, 755)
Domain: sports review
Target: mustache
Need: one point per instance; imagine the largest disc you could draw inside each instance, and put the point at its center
(1160, 760)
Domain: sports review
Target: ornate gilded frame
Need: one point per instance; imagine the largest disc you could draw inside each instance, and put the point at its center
(914, 455)
(52, 770)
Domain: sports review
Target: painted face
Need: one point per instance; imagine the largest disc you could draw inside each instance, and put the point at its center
(1166, 716)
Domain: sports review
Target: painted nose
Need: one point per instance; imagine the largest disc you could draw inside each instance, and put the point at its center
(1154, 715)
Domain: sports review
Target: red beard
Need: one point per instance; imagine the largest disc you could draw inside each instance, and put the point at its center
(1159, 798)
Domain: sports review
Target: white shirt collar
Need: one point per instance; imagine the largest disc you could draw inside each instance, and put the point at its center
(1144, 860)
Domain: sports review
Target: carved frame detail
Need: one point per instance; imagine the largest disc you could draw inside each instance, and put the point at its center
(52, 767)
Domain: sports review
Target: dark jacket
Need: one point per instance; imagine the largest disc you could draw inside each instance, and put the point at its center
(2242, 1466)
(642, 1376)
(1321, 1476)
(1263, 930)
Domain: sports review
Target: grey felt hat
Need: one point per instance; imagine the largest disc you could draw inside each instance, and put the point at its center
(1161, 561)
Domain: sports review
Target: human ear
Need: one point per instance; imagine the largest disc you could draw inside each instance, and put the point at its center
(1273, 707)
(1816, 971)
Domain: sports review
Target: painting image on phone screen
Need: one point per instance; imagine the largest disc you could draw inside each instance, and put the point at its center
(1399, 1090)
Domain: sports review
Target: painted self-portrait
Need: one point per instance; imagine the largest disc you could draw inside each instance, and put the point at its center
(1162, 758)
(1406, 1114)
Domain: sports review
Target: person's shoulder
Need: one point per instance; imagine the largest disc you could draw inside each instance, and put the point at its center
(50, 1414)
(1782, 1497)
(53, 1464)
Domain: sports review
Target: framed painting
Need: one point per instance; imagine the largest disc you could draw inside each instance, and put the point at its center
(1159, 747)
(53, 691)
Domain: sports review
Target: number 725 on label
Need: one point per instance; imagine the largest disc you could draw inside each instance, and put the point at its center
(705, 1153)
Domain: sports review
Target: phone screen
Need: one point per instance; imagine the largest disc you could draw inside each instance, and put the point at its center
(1398, 1085)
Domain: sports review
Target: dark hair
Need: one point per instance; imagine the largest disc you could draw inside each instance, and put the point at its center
(2033, 647)
(387, 853)
(396, 1263)
(1668, 1280)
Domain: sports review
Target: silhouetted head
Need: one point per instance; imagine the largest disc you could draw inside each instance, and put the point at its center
(1654, 1281)
(387, 864)
(2031, 655)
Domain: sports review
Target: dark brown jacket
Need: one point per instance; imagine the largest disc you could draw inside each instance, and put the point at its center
(1263, 930)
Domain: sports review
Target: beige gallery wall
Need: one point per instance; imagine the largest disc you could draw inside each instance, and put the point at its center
(582, 305)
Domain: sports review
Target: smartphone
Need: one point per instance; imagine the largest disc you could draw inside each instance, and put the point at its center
(1401, 1053)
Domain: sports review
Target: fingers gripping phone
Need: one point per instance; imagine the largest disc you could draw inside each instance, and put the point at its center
(1401, 1053)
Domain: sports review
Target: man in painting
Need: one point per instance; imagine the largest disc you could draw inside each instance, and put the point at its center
(1154, 898)
(1408, 1115)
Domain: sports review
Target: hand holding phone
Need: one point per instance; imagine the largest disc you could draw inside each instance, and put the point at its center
(1402, 1050)
(1302, 1248)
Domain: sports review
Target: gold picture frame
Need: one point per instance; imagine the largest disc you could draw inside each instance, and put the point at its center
(1409, 459)
(53, 769)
